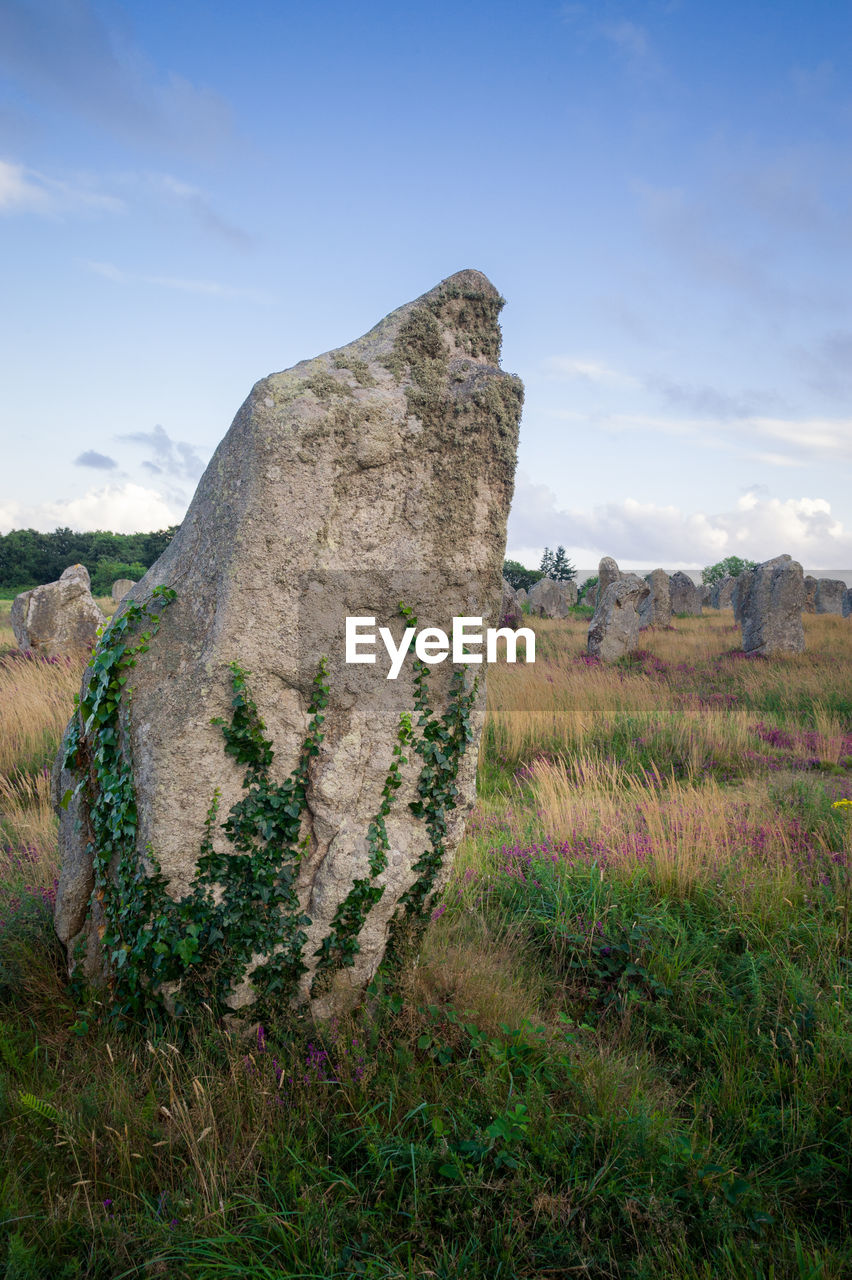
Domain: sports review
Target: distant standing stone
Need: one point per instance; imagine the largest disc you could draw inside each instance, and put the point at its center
(656, 609)
(59, 619)
(120, 588)
(614, 629)
(721, 596)
(550, 599)
(510, 607)
(829, 594)
(770, 599)
(608, 571)
(736, 596)
(847, 603)
(685, 597)
(811, 584)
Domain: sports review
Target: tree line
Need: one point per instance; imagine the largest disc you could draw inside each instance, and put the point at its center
(554, 564)
(29, 558)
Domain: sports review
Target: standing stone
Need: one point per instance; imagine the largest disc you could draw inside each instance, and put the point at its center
(656, 609)
(521, 595)
(60, 619)
(614, 629)
(737, 595)
(721, 597)
(847, 602)
(811, 584)
(120, 588)
(375, 475)
(770, 599)
(608, 571)
(590, 595)
(685, 597)
(510, 607)
(550, 599)
(704, 594)
(828, 597)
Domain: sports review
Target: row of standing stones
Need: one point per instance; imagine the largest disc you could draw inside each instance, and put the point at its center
(768, 602)
(277, 864)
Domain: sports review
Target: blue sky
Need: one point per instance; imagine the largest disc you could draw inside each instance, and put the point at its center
(193, 195)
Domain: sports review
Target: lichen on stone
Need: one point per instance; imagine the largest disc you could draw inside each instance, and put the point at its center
(325, 385)
(359, 369)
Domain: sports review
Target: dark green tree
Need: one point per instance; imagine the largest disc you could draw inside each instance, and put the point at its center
(29, 557)
(519, 577)
(556, 565)
(108, 571)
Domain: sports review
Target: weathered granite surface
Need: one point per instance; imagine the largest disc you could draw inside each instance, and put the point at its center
(829, 594)
(550, 599)
(656, 609)
(685, 595)
(608, 571)
(614, 629)
(721, 597)
(510, 607)
(59, 619)
(120, 588)
(769, 603)
(378, 473)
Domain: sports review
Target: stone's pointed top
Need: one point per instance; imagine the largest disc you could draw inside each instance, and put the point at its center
(76, 571)
(457, 318)
(468, 281)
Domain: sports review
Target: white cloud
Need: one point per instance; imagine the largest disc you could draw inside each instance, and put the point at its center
(207, 288)
(645, 533)
(120, 508)
(797, 441)
(629, 423)
(108, 271)
(826, 437)
(210, 288)
(570, 367)
(25, 190)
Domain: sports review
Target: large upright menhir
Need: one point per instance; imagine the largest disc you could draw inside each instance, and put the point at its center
(260, 816)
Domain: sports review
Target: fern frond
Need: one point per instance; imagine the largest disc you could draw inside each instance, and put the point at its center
(39, 1107)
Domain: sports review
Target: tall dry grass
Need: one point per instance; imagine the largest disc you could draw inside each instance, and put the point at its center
(673, 763)
(27, 832)
(679, 833)
(7, 635)
(693, 685)
(36, 701)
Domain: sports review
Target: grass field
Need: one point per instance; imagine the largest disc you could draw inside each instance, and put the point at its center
(625, 1049)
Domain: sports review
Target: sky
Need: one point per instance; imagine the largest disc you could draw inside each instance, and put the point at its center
(194, 195)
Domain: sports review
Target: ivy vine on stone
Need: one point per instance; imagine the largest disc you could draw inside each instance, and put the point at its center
(242, 902)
